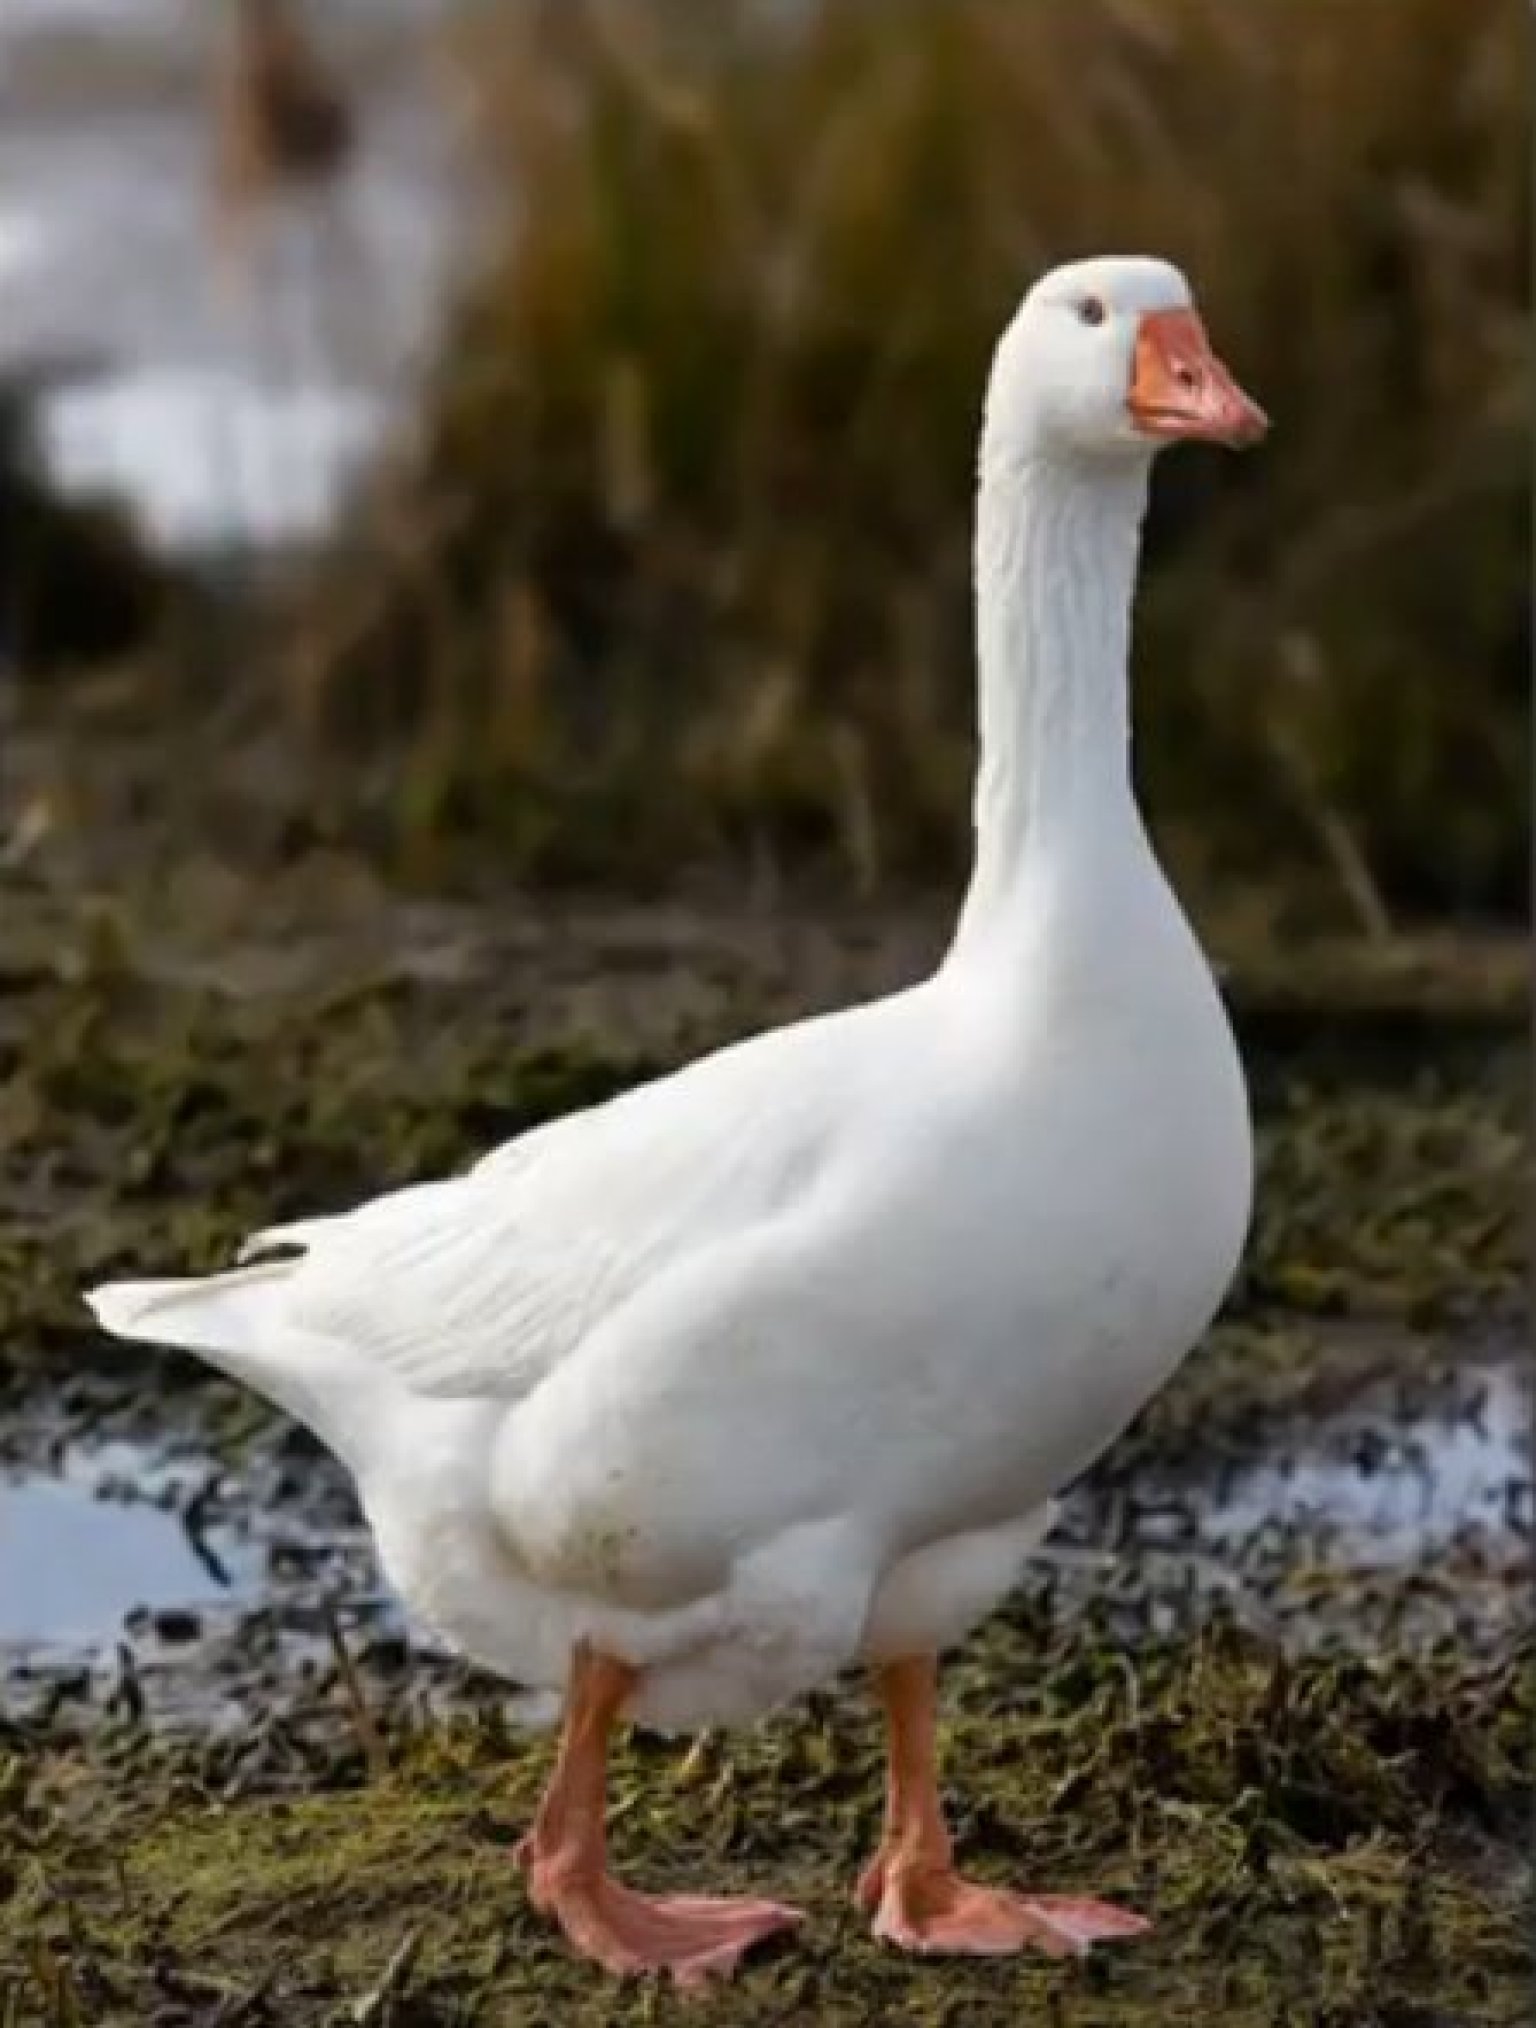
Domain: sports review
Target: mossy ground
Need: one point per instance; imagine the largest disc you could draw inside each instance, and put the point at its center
(1321, 1840)
(1321, 1843)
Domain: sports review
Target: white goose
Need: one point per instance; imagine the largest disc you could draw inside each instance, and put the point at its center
(775, 1364)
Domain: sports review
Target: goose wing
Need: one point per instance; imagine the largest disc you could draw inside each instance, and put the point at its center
(481, 1284)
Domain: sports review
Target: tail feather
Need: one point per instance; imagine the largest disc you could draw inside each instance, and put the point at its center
(238, 1323)
(230, 1313)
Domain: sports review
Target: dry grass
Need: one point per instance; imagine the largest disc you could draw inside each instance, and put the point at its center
(679, 558)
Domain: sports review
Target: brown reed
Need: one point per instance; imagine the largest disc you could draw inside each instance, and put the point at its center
(676, 560)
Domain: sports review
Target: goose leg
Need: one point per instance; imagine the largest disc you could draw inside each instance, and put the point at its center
(565, 1858)
(911, 1887)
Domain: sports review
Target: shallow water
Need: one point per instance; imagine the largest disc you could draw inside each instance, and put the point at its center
(223, 416)
(211, 457)
(105, 1538)
(1386, 1483)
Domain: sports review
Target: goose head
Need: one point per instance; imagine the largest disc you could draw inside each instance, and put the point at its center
(1109, 359)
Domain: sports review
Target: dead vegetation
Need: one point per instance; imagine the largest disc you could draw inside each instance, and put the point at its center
(676, 561)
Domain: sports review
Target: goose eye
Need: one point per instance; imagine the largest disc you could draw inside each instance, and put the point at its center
(1091, 310)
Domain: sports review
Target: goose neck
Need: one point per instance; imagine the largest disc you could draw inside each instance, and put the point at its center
(1056, 551)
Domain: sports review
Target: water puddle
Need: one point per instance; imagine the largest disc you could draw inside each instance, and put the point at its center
(120, 1554)
(1382, 1485)
(1408, 1513)
(111, 1535)
(74, 1567)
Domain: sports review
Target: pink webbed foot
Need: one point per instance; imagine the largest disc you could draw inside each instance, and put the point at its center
(918, 1900)
(693, 1937)
(945, 1915)
(564, 1858)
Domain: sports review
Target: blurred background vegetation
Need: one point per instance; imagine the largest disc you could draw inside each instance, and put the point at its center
(668, 567)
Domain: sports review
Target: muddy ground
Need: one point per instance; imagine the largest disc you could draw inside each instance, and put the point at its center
(1270, 1684)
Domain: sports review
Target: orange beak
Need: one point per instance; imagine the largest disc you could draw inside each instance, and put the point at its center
(1179, 388)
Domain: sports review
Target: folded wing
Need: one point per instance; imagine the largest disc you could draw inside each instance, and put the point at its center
(479, 1285)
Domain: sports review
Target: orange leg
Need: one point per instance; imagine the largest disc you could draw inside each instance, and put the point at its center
(565, 1857)
(918, 1899)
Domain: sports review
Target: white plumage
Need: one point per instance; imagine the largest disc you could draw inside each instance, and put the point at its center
(778, 1362)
